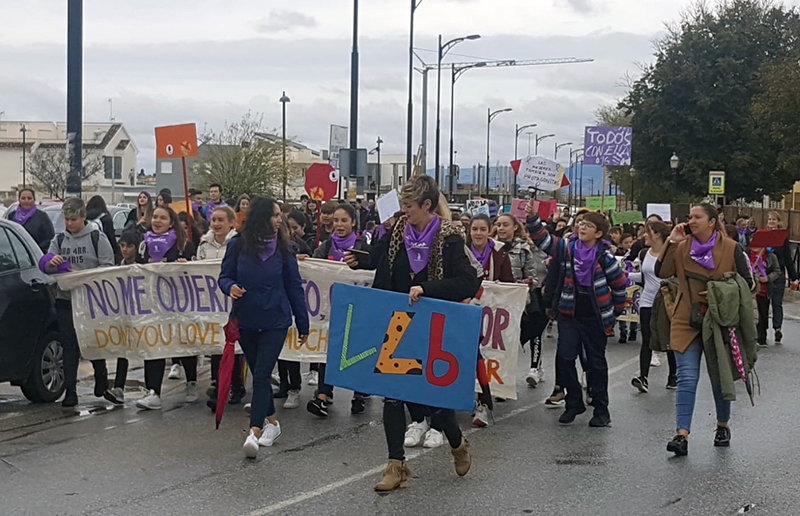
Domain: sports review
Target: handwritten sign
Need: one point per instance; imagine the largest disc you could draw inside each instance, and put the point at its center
(608, 146)
(388, 204)
(596, 202)
(626, 217)
(539, 172)
(478, 207)
(631, 311)
(426, 353)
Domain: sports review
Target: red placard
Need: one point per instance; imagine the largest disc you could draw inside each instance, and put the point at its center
(176, 141)
(769, 238)
(322, 182)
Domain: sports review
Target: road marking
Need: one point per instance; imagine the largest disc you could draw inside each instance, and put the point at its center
(308, 495)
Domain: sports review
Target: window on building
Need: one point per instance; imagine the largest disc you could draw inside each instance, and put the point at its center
(117, 163)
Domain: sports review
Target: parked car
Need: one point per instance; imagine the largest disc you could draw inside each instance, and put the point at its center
(31, 354)
(119, 215)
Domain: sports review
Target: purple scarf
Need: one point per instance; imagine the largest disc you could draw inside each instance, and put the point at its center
(584, 259)
(703, 253)
(484, 256)
(210, 206)
(21, 215)
(760, 266)
(270, 245)
(158, 245)
(341, 244)
(378, 232)
(418, 245)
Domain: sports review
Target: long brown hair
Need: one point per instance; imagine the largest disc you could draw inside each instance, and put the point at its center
(175, 225)
(519, 229)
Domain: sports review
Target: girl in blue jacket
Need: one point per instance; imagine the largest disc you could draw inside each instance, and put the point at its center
(260, 273)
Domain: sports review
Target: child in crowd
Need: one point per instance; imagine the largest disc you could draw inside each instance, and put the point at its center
(623, 252)
(129, 243)
(767, 271)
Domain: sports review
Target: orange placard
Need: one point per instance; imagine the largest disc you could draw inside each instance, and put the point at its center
(176, 141)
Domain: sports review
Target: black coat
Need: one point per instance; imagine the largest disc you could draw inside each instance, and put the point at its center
(460, 279)
(173, 255)
(39, 226)
(784, 255)
(108, 228)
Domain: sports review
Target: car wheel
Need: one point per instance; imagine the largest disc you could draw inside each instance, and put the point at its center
(46, 382)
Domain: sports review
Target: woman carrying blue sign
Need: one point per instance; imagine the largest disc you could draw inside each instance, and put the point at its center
(423, 255)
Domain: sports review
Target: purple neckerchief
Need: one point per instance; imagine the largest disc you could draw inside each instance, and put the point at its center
(702, 253)
(195, 207)
(341, 244)
(483, 256)
(270, 245)
(418, 245)
(21, 215)
(760, 266)
(158, 245)
(584, 259)
(62, 267)
(742, 231)
(378, 232)
(210, 206)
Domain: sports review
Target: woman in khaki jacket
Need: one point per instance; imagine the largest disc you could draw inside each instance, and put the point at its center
(700, 249)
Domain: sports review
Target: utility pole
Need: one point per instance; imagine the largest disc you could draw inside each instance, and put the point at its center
(74, 95)
(24, 164)
(354, 95)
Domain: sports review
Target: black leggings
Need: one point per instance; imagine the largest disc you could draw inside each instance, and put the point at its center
(289, 373)
(394, 425)
(324, 388)
(154, 372)
(645, 353)
(531, 330)
(236, 375)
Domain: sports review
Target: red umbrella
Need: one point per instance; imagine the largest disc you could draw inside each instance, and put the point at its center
(226, 368)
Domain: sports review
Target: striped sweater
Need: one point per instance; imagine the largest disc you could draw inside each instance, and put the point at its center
(610, 281)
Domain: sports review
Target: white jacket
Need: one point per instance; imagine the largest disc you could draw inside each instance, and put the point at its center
(210, 249)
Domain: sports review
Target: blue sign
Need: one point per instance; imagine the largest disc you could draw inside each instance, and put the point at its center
(426, 353)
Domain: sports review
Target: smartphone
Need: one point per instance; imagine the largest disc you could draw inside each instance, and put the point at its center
(687, 229)
(357, 251)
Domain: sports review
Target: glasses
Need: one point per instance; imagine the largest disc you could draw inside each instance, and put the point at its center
(586, 224)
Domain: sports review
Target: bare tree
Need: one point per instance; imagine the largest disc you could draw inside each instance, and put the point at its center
(50, 166)
(241, 161)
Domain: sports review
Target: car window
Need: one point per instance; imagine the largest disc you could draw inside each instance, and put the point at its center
(8, 261)
(24, 258)
(120, 218)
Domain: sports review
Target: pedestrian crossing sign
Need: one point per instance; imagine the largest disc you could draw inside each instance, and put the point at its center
(716, 183)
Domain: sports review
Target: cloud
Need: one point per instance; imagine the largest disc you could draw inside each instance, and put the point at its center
(581, 6)
(286, 21)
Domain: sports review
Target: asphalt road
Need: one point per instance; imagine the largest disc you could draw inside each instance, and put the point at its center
(102, 461)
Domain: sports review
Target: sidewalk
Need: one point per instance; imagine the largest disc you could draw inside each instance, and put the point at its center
(791, 305)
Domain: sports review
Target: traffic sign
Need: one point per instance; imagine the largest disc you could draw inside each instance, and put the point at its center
(716, 182)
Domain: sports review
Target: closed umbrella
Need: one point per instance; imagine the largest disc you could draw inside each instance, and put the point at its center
(226, 367)
(738, 360)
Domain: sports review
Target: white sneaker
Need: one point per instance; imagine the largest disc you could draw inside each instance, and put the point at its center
(655, 361)
(191, 392)
(250, 446)
(433, 439)
(313, 378)
(534, 377)
(292, 400)
(481, 418)
(276, 379)
(550, 330)
(175, 372)
(415, 433)
(247, 407)
(269, 434)
(150, 402)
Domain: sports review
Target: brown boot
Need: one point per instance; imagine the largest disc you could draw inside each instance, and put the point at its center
(461, 457)
(396, 475)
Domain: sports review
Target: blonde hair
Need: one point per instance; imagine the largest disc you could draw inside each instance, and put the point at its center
(421, 188)
(774, 215)
(519, 229)
(229, 213)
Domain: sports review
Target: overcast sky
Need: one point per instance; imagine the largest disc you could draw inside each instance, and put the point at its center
(165, 62)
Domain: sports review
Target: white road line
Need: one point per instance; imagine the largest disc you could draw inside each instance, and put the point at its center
(308, 495)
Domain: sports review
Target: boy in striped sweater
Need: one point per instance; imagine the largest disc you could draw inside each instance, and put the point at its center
(588, 294)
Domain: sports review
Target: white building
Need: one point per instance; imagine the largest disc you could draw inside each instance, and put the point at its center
(109, 140)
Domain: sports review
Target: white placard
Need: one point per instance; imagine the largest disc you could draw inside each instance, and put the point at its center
(540, 173)
(388, 204)
(662, 210)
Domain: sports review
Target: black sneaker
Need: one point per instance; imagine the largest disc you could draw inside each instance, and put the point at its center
(679, 445)
(778, 336)
(640, 382)
(722, 437)
(212, 404)
(357, 405)
(569, 415)
(632, 336)
(100, 387)
(318, 407)
(280, 394)
(600, 420)
(70, 398)
(623, 339)
(672, 382)
(236, 396)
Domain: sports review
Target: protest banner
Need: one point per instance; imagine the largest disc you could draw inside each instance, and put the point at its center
(478, 207)
(426, 353)
(626, 217)
(631, 311)
(607, 146)
(596, 203)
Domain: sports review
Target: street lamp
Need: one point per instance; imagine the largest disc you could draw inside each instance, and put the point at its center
(674, 163)
(24, 130)
(489, 119)
(518, 131)
(443, 50)
(284, 100)
(378, 151)
(456, 73)
(558, 147)
(633, 179)
(573, 162)
(539, 139)
(410, 113)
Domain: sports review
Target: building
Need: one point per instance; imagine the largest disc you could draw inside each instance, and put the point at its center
(111, 141)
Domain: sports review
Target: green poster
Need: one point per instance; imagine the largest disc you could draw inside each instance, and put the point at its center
(626, 217)
(594, 203)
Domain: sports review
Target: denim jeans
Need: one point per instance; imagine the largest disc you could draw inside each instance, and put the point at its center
(688, 375)
(587, 338)
(262, 348)
(778, 289)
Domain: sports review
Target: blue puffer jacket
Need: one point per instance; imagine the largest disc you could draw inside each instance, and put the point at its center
(273, 287)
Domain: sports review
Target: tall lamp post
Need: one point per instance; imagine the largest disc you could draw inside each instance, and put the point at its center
(518, 131)
(539, 140)
(456, 73)
(410, 113)
(633, 179)
(24, 130)
(674, 163)
(284, 100)
(579, 156)
(492, 115)
(377, 150)
(559, 146)
(443, 50)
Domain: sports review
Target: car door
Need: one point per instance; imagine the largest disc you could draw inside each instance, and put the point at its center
(24, 305)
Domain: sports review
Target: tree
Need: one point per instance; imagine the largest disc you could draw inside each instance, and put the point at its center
(242, 160)
(50, 166)
(697, 100)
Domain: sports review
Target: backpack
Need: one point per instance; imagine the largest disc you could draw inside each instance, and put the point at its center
(95, 235)
(96, 223)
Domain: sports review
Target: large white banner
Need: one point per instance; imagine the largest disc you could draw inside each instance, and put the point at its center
(162, 310)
